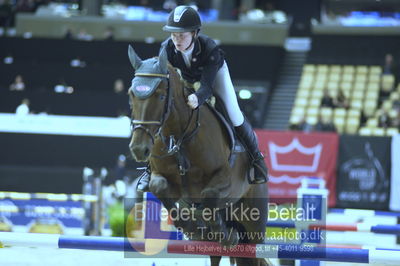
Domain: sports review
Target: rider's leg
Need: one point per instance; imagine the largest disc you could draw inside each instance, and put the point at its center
(247, 135)
(225, 91)
(223, 87)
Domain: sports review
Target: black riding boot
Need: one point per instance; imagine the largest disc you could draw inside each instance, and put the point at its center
(249, 139)
(143, 183)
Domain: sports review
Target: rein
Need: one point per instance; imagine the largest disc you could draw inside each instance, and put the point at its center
(174, 146)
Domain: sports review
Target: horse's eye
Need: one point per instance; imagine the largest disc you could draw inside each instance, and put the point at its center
(162, 97)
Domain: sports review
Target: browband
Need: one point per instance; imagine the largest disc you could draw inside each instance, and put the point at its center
(151, 75)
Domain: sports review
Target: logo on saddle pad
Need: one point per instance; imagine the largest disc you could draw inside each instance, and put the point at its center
(294, 157)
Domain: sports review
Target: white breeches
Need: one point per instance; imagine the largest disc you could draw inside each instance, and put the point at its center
(224, 89)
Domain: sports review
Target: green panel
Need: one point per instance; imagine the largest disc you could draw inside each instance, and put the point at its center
(340, 30)
(225, 32)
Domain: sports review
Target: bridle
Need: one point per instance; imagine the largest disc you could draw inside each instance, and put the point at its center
(174, 146)
(141, 124)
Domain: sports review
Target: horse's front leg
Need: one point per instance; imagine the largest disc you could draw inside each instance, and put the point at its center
(160, 187)
(211, 198)
(168, 194)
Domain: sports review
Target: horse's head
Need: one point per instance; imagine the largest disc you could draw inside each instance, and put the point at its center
(150, 102)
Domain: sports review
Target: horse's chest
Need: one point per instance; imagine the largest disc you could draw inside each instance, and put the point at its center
(168, 169)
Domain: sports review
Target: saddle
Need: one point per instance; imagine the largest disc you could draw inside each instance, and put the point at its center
(219, 112)
(235, 146)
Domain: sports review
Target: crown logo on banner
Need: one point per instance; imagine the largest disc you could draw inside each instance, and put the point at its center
(304, 160)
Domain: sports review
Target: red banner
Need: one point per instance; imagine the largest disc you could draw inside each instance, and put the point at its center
(292, 155)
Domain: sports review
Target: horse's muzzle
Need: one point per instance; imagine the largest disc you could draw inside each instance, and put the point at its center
(140, 152)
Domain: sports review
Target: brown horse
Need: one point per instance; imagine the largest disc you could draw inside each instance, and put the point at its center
(189, 155)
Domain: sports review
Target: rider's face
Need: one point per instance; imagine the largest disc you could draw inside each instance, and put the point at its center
(182, 40)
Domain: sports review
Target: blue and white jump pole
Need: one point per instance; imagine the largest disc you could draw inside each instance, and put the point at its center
(174, 247)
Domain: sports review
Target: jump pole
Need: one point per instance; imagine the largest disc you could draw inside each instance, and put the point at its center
(364, 213)
(354, 227)
(380, 256)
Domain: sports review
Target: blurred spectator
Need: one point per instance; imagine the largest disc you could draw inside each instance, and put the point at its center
(109, 34)
(194, 4)
(26, 6)
(6, 13)
(119, 87)
(384, 120)
(265, 5)
(327, 100)
(8, 60)
(396, 121)
(23, 108)
(120, 167)
(388, 65)
(305, 126)
(83, 35)
(119, 90)
(144, 3)
(77, 62)
(341, 100)
(294, 127)
(18, 84)
(271, 14)
(69, 35)
(39, 3)
(324, 124)
(62, 87)
(363, 118)
(260, 11)
(30, 6)
(136, 2)
(302, 125)
(396, 104)
(119, 172)
(169, 5)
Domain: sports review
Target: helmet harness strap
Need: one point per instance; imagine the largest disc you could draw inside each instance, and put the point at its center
(194, 37)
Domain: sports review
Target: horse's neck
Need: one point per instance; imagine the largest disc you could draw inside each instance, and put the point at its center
(180, 112)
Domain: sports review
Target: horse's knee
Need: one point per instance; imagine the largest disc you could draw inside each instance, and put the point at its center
(158, 185)
(210, 193)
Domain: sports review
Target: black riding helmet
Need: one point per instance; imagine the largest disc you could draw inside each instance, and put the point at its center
(183, 19)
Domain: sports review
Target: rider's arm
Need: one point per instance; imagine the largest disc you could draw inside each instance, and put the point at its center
(210, 69)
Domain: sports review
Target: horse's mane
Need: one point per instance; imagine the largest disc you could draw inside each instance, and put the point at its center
(169, 66)
(177, 70)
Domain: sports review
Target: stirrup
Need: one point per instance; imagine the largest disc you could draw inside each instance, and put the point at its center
(260, 180)
(143, 183)
(260, 173)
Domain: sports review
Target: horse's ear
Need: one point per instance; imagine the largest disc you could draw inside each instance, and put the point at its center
(134, 58)
(163, 60)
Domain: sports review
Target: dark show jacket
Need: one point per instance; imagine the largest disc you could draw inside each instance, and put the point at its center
(207, 59)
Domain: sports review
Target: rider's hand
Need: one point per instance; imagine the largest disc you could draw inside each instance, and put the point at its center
(193, 102)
